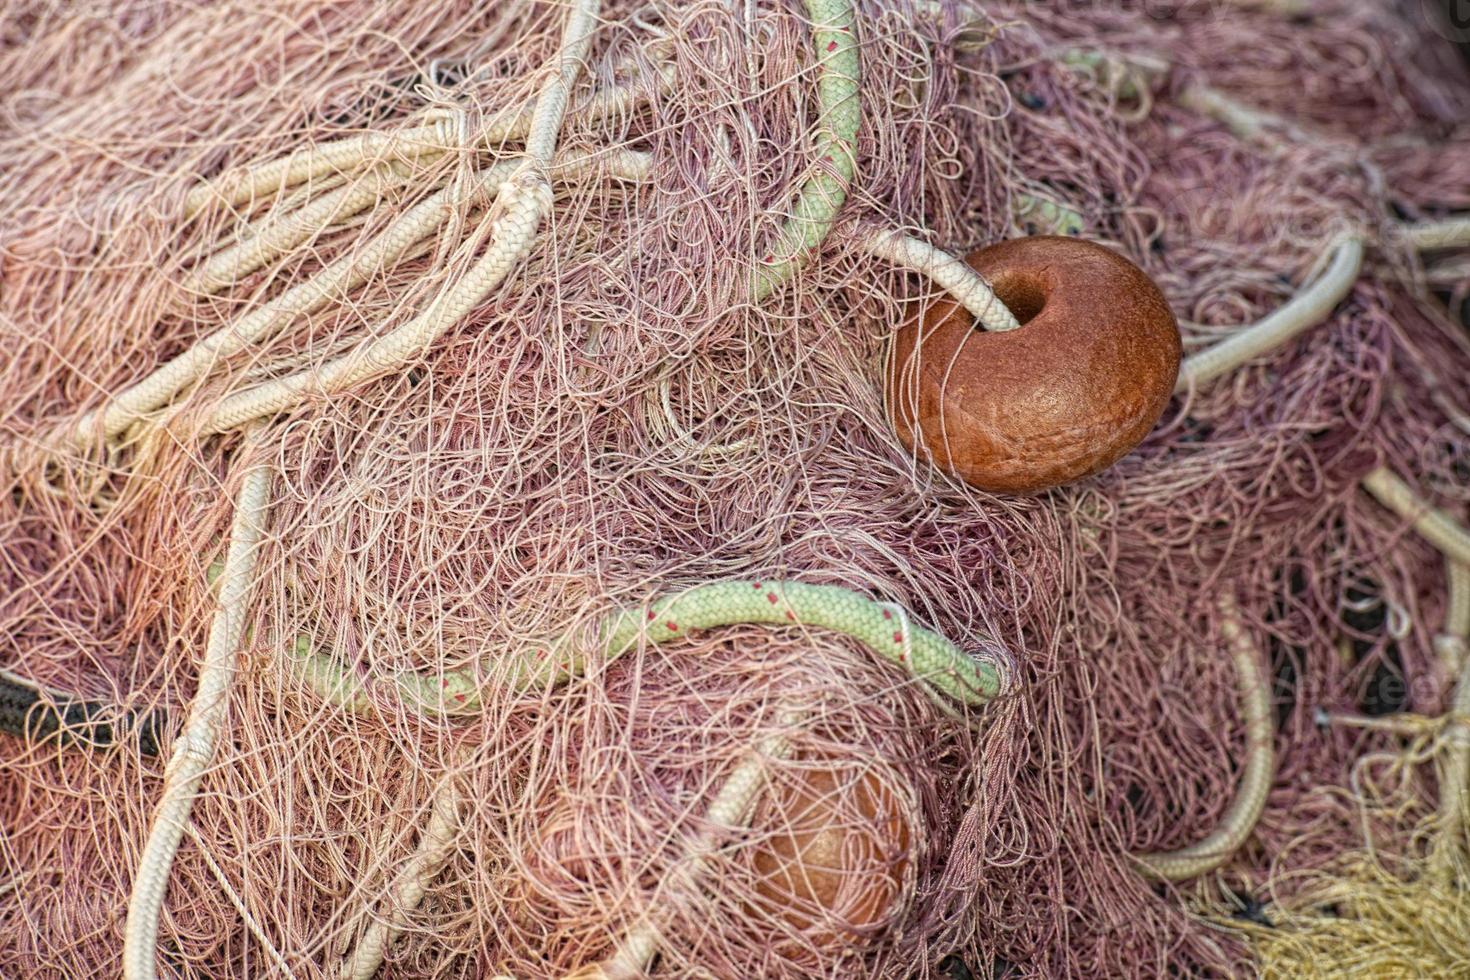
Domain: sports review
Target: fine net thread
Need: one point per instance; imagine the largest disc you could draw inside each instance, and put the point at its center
(522, 475)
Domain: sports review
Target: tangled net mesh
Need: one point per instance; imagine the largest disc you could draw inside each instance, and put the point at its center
(620, 421)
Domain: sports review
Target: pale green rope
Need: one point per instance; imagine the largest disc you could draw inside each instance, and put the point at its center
(1259, 772)
(1040, 216)
(884, 628)
(838, 114)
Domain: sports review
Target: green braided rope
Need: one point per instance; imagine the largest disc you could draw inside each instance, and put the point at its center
(839, 72)
(884, 628)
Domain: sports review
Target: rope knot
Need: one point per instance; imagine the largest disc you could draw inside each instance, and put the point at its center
(520, 201)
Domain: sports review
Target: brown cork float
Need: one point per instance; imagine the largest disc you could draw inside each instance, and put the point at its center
(1064, 396)
(834, 867)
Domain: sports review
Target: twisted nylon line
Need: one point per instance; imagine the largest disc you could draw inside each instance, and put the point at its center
(525, 198)
(278, 234)
(926, 655)
(1433, 525)
(1255, 783)
(522, 201)
(514, 219)
(194, 749)
(1453, 540)
(947, 271)
(1307, 309)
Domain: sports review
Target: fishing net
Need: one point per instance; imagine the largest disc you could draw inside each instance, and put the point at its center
(473, 723)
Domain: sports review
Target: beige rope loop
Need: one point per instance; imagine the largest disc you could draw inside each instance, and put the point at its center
(1311, 306)
(660, 414)
(1433, 525)
(1255, 782)
(451, 125)
(133, 404)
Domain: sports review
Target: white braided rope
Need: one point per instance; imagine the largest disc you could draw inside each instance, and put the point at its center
(1247, 122)
(513, 219)
(194, 749)
(446, 131)
(729, 811)
(952, 274)
(249, 182)
(334, 281)
(278, 234)
(409, 887)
